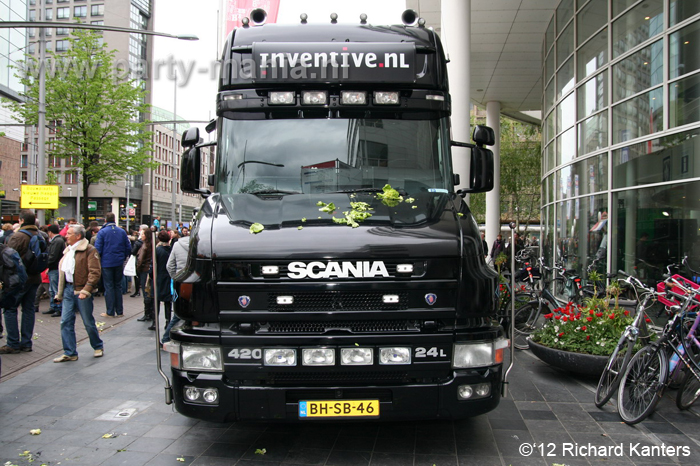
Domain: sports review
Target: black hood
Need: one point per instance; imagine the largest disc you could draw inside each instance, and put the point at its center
(423, 225)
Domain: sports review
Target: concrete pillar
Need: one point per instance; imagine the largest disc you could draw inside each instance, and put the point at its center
(493, 197)
(456, 37)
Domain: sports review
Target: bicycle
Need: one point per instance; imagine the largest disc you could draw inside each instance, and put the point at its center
(689, 390)
(622, 354)
(530, 316)
(649, 371)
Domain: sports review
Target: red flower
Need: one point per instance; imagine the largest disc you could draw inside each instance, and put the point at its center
(549, 316)
(557, 317)
(588, 337)
(584, 328)
(626, 313)
(599, 314)
(561, 334)
(589, 319)
(564, 319)
(578, 316)
(648, 320)
(611, 316)
(591, 312)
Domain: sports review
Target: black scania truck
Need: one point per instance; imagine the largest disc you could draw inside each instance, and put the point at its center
(335, 270)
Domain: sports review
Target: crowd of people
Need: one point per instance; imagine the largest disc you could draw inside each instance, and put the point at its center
(74, 264)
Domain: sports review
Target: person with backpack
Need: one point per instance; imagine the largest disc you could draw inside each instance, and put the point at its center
(56, 246)
(31, 247)
(13, 276)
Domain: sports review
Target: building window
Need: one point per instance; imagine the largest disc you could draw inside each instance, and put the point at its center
(48, 14)
(97, 10)
(80, 11)
(98, 23)
(32, 48)
(23, 163)
(49, 46)
(62, 13)
(61, 45)
(71, 178)
(25, 177)
(54, 161)
(31, 32)
(32, 15)
(62, 31)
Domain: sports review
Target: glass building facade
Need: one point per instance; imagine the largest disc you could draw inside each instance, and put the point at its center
(621, 134)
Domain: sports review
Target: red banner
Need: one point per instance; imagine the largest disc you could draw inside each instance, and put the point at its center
(236, 10)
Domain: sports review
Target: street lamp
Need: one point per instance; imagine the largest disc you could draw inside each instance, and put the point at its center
(42, 25)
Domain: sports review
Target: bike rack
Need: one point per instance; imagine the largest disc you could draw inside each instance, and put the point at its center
(504, 391)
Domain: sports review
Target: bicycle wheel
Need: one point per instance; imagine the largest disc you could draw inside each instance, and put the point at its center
(527, 320)
(642, 384)
(689, 391)
(610, 378)
(690, 339)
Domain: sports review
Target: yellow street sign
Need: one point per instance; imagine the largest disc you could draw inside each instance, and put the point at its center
(39, 196)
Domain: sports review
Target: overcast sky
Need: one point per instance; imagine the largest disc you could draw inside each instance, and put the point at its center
(196, 95)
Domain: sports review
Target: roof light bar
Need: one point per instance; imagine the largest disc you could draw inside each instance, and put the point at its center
(314, 97)
(353, 98)
(386, 97)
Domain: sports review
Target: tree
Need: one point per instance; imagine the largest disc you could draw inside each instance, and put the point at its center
(99, 109)
(521, 161)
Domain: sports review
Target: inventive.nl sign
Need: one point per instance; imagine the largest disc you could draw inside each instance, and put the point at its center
(35, 196)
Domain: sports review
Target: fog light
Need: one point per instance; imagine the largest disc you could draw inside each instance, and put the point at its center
(356, 356)
(353, 98)
(285, 300)
(314, 97)
(386, 98)
(394, 356)
(281, 98)
(280, 357)
(210, 395)
(390, 299)
(192, 393)
(318, 357)
(404, 268)
(483, 389)
(465, 392)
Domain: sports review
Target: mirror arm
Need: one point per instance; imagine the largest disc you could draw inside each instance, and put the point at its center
(206, 144)
(462, 144)
(204, 192)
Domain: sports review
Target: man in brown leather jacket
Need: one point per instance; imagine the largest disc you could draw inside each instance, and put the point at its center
(79, 272)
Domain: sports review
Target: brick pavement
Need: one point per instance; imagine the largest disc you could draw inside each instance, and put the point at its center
(75, 404)
(47, 334)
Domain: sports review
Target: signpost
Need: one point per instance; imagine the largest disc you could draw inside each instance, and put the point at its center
(39, 196)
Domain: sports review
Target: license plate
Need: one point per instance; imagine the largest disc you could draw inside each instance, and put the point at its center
(338, 409)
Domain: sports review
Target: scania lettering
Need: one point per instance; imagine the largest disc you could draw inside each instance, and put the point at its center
(335, 271)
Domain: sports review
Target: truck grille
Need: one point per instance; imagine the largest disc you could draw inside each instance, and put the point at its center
(373, 377)
(355, 326)
(338, 301)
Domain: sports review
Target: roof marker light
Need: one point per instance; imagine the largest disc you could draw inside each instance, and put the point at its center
(386, 98)
(435, 97)
(282, 98)
(314, 97)
(353, 98)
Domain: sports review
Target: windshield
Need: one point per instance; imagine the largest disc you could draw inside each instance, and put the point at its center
(332, 155)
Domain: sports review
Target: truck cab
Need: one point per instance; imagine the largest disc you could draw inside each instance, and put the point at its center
(335, 270)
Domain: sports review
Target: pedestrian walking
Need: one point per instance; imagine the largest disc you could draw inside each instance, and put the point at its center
(498, 247)
(79, 272)
(114, 247)
(136, 246)
(56, 246)
(144, 260)
(163, 278)
(176, 263)
(20, 338)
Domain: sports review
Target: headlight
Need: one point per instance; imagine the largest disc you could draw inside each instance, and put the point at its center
(394, 356)
(202, 358)
(478, 354)
(280, 357)
(318, 356)
(356, 356)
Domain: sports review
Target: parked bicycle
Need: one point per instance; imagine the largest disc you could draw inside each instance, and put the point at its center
(650, 370)
(635, 333)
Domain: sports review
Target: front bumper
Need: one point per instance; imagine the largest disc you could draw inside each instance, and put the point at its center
(397, 402)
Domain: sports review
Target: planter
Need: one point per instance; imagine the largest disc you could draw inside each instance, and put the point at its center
(583, 364)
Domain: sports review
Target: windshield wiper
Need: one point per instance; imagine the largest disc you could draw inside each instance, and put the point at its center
(261, 162)
(368, 190)
(273, 191)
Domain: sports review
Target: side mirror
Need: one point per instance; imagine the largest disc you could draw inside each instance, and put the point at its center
(481, 170)
(190, 168)
(483, 136)
(191, 137)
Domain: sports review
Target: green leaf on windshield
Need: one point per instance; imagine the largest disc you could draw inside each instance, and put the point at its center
(328, 208)
(256, 228)
(390, 197)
